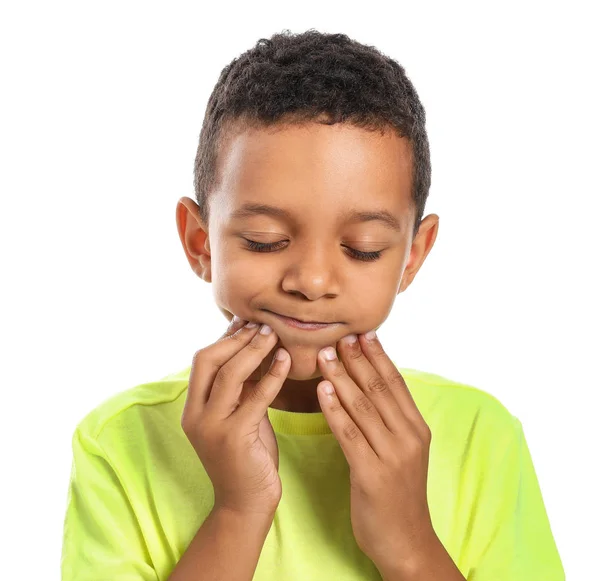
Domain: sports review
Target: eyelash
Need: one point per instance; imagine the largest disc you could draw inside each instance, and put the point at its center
(357, 254)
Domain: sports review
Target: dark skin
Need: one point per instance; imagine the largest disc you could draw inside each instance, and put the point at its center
(317, 173)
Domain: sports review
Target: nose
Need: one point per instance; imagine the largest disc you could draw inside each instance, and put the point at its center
(312, 271)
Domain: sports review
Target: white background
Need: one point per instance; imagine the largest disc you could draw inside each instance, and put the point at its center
(102, 105)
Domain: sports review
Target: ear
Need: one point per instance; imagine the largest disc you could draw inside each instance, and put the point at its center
(422, 244)
(193, 234)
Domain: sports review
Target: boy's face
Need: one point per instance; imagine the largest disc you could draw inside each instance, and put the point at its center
(318, 175)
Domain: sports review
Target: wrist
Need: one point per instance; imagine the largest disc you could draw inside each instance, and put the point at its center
(411, 567)
(432, 562)
(243, 519)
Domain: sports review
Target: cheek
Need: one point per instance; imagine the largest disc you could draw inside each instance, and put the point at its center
(369, 305)
(237, 279)
(235, 282)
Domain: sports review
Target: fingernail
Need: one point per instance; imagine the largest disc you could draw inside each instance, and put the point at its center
(349, 339)
(280, 354)
(329, 354)
(370, 335)
(251, 325)
(234, 323)
(265, 330)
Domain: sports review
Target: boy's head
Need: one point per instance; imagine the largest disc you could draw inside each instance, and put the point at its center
(306, 138)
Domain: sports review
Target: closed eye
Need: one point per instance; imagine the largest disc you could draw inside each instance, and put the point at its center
(274, 246)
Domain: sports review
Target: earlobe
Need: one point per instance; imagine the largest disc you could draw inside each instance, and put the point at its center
(407, 275)
(420, 248)
(402, 286)
(204, 268)
(204, 259)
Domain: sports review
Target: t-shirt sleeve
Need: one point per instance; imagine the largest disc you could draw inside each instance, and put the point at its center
(521, 547)
(102, 539)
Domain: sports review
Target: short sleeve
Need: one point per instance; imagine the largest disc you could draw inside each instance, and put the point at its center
(102, 539)
(522, 547)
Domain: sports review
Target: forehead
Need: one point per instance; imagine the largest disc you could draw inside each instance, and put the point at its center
(335, 166)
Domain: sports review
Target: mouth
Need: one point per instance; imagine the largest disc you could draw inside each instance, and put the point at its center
(305, 325)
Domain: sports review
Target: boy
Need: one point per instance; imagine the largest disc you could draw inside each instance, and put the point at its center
(311, 179)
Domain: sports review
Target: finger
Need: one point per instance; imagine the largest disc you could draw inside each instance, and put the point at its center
(260, 397)
(389, 372)
(356, 447)
(228, 382)
(207, 362)
(235, 324)
(373, 385)
(357, 404)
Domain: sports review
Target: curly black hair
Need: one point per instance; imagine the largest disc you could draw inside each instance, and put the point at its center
(312, 77)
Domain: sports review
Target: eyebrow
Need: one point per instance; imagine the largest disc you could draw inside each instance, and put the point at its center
(383, 216)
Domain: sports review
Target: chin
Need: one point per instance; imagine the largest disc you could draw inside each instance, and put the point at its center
(304, 362)
(303, 374)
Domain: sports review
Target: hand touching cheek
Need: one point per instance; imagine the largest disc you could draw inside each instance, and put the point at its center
(386, 443)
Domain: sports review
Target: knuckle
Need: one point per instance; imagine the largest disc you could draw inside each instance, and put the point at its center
(350, 431)
(224, 375)
(335, 406)
(190, 425)
(255, 345)
(377, 350)
(395, 379)
(239, 338)
(354, 353)
(363, 404)
(338, 370)
(275, 370)
(259, 342)
(376, 384)
(256, 394)
(199, 355)
(426, 434)
(414, 446)
(185, 424)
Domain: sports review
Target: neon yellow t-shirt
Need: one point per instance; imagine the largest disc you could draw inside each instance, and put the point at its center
(138, 492)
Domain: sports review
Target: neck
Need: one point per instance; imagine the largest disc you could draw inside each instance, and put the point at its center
(295, 395)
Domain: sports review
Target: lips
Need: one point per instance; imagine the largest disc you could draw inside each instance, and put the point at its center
(307, 322)
(300, 324)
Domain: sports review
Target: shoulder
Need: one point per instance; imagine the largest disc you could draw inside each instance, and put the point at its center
(448, 401)
(130, 405)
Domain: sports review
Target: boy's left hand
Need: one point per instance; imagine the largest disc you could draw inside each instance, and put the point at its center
(386, 443)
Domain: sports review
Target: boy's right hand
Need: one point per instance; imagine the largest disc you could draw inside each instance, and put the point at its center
(225, 419)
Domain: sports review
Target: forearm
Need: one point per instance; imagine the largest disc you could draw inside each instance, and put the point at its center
(226, 548)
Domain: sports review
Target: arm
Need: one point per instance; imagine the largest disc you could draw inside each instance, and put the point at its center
(226, 548)
(431, 565)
